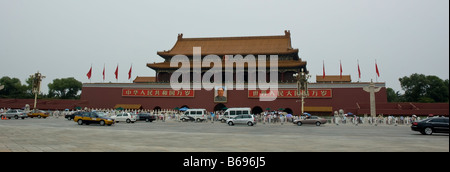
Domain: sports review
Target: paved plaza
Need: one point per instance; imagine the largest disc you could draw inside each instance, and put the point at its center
(61, 135)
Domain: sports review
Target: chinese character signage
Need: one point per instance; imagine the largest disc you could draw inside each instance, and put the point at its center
(157, 93)
(290, 93)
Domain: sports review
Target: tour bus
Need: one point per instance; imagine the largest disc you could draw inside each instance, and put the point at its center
(233, 112)
(197, 114)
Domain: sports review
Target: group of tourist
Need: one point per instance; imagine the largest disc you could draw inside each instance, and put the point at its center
(380, 119)
(270, 117)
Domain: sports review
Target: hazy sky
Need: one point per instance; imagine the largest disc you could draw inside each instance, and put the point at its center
(63, 38)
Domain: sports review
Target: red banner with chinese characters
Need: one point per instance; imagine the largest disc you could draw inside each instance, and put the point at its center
(290, 93)
(157, 93)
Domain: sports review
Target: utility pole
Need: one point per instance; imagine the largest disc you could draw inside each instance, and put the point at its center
(37, 78)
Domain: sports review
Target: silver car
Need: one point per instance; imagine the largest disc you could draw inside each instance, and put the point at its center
(310, 120)
(242, 119)
(14, 113)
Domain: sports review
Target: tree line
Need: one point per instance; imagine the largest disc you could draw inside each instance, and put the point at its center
(64, 88)
(416, 87)
(420, 88)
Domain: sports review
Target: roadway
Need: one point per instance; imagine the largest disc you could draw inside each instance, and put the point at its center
(61, 135)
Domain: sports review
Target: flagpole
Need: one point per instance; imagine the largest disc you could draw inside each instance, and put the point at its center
(117, 76)
(323, 66)
(130, 72)
(359, 71)
(376, 68)
(90, 81)
(340, 68)
(104, 65)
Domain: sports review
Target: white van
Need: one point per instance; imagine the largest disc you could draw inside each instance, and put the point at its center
(233, 112)
(197, 114)
(125, 117)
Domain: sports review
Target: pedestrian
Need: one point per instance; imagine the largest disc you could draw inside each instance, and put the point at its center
(212, 117)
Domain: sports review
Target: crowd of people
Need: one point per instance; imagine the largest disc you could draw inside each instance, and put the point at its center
(269, 117)
(380, 119)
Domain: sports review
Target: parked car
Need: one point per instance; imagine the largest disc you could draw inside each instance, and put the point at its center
(146, 116)
(185, 118)
(431, 125)
(14, 113)
(72, 115)
(125, 117)
(93, 117)
(242, 119)
(197, 114)
(38, 113)
(233, 112)
(310, 120)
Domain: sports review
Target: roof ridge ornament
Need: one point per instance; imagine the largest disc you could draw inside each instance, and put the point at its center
(180, 36)
(287, 33)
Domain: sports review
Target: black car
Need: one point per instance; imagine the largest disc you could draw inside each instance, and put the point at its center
(72, 116)
(146, 116)
(186, 118)
(431, 125)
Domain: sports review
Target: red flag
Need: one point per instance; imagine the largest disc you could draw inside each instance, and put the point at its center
(359, 71)
(89, 74)
(129, 72)
(376, 69)
(117, 72)
(323, 77)
(340, 63)
(104, 73)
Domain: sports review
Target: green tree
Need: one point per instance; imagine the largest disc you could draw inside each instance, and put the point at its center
(437, 90)
(65, 88)
(13, 88)
(393, 96)
(421, 88)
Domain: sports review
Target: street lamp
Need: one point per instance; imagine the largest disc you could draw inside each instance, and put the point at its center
(37, 78)
(302, 86)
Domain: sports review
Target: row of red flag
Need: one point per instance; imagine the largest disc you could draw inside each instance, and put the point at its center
(359, 70)
(116, 73)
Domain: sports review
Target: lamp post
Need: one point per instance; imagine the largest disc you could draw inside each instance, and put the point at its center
(302, 87)
(37, 78)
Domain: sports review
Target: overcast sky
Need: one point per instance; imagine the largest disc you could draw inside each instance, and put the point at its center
(63, 38)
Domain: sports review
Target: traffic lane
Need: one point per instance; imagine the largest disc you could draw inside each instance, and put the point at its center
(65, 135)
(217, 127)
